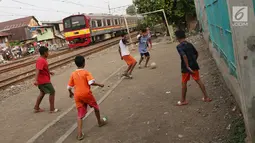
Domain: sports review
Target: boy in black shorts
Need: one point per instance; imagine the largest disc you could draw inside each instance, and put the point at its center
(144, 46)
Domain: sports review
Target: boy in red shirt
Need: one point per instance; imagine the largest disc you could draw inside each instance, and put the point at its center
(42, 80)
(81, 80)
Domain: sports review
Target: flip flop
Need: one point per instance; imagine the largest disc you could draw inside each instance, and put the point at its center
(207, 99)
(81, 137)
(38, 111)
(55, 111)
(179, 103)
(103, 122)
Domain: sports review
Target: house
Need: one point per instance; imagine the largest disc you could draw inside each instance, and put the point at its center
(20, 28)
(49, 36)
(58, 25)
(4, 39)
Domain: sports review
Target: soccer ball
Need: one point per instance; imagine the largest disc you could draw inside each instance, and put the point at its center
(153, 65)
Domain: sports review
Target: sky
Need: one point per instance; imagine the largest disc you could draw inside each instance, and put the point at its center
(54, 10)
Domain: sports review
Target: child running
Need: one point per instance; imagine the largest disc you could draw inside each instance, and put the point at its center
(189, 66)
(149, 36)
(125, 55)
(81, 80)
(42, 80)
(144, 46)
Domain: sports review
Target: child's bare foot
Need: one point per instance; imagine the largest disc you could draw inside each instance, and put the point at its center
(80, 137)
(130, 76)
(207, 99)
(182, 103)
(38, 110)
(125, 74)
(103, 122)
(55, 111)
(139, 66)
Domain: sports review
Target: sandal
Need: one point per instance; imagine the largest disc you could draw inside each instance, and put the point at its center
(179, 103)
(81, 137)
(55, 111)
(103, 122)
(38, 111)
(207, 99)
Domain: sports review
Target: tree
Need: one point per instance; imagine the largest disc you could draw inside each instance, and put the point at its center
(176, 11)
(131, 10)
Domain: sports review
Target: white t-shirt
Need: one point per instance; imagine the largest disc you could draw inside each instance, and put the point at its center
(123, 49)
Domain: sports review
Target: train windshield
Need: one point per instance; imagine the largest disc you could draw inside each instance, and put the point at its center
(74, 23)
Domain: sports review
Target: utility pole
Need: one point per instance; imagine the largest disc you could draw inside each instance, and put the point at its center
(109, 7)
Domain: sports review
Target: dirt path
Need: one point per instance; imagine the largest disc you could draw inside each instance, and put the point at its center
(143, 110)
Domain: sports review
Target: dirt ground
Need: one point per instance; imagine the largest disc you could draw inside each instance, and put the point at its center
(141, 110)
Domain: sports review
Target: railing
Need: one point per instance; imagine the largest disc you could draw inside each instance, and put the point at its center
(220, 31)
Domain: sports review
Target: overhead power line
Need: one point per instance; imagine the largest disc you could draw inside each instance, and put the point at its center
(79, 4)
(25, 8)
(17, 1)
(12, 13)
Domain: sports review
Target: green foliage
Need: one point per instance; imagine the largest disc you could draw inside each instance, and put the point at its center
(15, 43)
(175, 14)
(237, 133)
(131, 10)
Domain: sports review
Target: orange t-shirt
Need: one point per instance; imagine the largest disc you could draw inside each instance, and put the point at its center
(81, 80)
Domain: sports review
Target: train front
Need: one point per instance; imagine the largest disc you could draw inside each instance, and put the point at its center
(77, 31)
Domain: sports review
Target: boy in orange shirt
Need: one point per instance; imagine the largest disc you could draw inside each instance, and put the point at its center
(81, 80)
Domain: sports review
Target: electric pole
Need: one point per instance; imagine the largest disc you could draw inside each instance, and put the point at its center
(109, 7)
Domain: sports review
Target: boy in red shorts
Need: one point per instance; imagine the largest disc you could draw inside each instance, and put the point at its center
(42, 80)
(125, 55)
(189, 66)
(81, 80)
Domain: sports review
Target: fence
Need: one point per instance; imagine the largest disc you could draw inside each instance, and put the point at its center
(220, 31)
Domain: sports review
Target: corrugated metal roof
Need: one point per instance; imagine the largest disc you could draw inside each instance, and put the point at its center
(52, 22)
(16, 23)
(4, 34)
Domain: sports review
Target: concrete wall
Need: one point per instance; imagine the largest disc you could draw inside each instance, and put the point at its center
(243, 37)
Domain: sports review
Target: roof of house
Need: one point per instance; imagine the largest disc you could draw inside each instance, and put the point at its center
(21, 22)
(52, 22)
(4, 34)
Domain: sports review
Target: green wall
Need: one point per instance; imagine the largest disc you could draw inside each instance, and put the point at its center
(46, 34)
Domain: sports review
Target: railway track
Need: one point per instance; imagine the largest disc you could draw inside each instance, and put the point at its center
(4, 83)
(26, 62)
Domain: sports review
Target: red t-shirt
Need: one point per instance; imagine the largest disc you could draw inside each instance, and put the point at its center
(44, 74)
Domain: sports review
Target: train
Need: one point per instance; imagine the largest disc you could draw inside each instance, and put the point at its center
(83, 29)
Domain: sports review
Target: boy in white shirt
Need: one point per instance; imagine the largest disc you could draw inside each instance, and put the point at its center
(125, 55)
